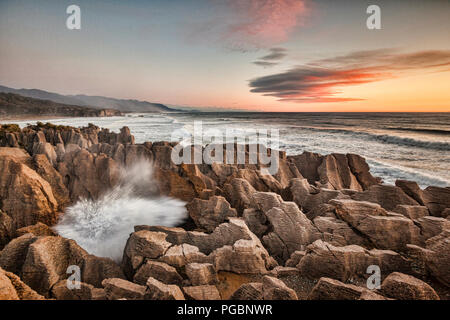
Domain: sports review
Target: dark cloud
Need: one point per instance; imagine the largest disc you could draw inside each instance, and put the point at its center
(272, 58)
(265, 64)
(275, 54)
(321, 80)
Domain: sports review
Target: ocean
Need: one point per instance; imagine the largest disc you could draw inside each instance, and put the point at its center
(411, 146)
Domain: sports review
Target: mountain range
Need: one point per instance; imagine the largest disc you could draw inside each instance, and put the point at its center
(96, 102)
(13, 105)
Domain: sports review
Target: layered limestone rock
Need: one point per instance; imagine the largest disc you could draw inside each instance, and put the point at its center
(208, 214)
(404, 287)
(437, 257)
(311, 230)
(322, 259)
(290, 229)
(204, 292)
(12, 288)
(335, 171)
(41, 262)
(330, 289)
(383, 230)
(26, 197)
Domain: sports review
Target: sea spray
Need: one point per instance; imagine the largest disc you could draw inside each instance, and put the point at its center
(102, 226)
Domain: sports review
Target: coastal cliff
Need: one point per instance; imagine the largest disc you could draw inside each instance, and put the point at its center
(310, 231)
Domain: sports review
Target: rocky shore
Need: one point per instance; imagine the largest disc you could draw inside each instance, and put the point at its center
(313, 231)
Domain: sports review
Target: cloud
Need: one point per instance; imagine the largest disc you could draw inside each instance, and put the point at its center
(322, 80)
(246, 25)
(272, 58)
(265, 64)
(262, 23)
(275, 54)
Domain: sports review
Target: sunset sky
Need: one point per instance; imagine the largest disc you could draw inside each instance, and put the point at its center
(262, 55)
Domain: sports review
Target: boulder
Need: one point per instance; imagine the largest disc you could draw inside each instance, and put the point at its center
(412, 212)
(7, 290)
(432, 226)
(122, 289)
(348, 262)
(295, 258)
(275, 289)
(47, 171)
(385, 232)
(95, 269)
(239, 193)
(264, 201)
(158, 270)
(361, 170)
(225, 234)
(370, 295)
(180, 255)
(157, 290)
(208, 214)
(13, 255)
(335, 173)
(290, 229)
(170, 183)
(248, 291)
(259, 181)
(338, 232)
(26, 197)
(204, 292)
(201, 273)
(245, 256)
(39, 230)
(282, 272)
(60, 291)
(438, 257)
(23, 291)
(418, 257)
(386, 196)
(437, 200)
(308, 197)
(45, 149)
(88, 175)
(413, 190)
(256, 221)
(98, 294)
(47, 261)
(307, 164)
(143, 244)
(331, 289)
(405, 287)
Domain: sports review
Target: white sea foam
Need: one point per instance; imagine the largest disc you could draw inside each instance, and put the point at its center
(102, 226)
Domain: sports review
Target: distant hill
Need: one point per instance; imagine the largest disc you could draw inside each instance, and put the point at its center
(12, 105)
(96, 102)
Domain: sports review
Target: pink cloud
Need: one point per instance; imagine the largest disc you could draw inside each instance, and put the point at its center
(263, 23)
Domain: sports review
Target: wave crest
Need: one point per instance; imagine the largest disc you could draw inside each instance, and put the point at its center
(102, 226)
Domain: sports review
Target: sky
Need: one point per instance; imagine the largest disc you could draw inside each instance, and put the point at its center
(261, 55)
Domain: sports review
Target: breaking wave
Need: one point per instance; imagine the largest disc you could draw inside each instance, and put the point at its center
(413, 142)
(385, 138)
(102, 226)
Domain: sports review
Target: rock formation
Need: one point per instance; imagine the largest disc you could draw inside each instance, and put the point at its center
(314, 230)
